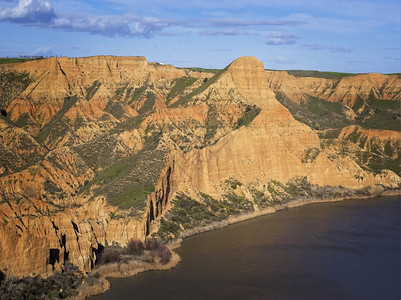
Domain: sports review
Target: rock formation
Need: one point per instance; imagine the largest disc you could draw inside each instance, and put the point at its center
(95, 150)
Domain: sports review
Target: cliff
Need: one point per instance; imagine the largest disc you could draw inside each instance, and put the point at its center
(347, 90)
(96, 151)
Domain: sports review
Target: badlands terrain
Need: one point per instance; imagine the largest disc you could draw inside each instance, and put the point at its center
(97, 151)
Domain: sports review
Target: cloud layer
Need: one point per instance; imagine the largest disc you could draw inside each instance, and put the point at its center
(281, 38)
(331, 48)
(41, 13)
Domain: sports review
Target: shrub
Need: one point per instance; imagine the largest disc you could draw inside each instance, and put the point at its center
(108, 256)
(152, 243)
(135, 247)
(164, 254)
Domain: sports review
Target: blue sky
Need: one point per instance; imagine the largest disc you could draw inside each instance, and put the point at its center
(329, 35)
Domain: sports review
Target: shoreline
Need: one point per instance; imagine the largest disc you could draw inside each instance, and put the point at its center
(176, 243)
(133, 268)
(122, 270)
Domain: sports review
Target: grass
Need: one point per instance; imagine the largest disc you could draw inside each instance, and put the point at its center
(316, 113)
(180, 85)
(126, 182)
(57, 126)
(91, 90)
(204, 70)
(318, 74)
(188, 213)
(310, 155)
(211, 124)
(386, 116)
(149, 103)
(249, 114)
(57, 286)
(12, 83)
(183, 100)
(137, 94)
(12, 60)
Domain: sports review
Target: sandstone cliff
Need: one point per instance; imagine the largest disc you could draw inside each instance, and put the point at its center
(98, 150)
(271, 147)
(347, 89)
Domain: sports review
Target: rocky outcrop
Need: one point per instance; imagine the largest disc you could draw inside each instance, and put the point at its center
(271, 147)
(347, 89)
(95, 149)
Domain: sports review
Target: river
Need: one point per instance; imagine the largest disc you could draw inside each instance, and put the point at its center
(341, 250)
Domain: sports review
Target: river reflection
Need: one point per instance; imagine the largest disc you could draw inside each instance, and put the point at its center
(343, 250)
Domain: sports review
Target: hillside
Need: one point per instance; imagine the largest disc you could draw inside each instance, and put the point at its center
(96, 151)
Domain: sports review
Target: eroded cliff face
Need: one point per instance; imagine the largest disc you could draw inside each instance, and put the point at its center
(272, 147)
(95, 149)
(346, 90)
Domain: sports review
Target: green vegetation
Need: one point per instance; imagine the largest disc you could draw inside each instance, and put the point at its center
(310, 155)
(115, 108)
(398, 74)
(57, 127)
(12, 60)
(188, 213)
(322, 107)
(318, 74)
(137, 94)
(57, 286)
(214, 71)
(387, 115)
(119, 92)
(316, 113)
(91, 91)
(125, 182)
(202, 88)
(12, 83)
(212, 123)
(233, 183)
(149, 103)
(180, 85)
(151, 251)
(249, 114)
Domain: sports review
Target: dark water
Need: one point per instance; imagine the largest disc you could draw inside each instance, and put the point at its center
(343, 250)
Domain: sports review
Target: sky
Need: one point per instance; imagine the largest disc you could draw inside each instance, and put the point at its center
(355, 36)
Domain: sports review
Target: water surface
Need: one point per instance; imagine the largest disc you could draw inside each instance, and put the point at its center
(342, 250)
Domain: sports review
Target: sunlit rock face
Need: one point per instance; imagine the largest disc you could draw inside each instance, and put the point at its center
(94, 149)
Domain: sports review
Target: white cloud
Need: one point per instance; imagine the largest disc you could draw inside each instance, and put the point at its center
(334, 49)
(41, 13)
(43, 51)
(219, 32)
(281, 38)
(29, 12)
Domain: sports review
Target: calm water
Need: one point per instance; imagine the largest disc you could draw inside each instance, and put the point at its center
(344, 250)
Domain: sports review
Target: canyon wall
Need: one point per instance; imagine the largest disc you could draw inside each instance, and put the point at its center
(94, 150)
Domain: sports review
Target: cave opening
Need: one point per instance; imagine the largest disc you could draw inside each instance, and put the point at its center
(2, 276)
(97, 253)
(147, 227)
(75, 226)
(63, 240)
(152, 215)
(54, 255)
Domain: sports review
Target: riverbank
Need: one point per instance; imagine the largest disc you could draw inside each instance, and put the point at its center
(270, 210)
(132, 268)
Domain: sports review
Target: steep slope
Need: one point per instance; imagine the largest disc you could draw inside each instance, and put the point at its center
(272, 147)
(368, 100)
(347, 90)
(99, 150)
